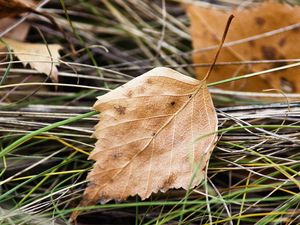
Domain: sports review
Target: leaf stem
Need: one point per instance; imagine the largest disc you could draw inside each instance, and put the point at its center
(220, 47)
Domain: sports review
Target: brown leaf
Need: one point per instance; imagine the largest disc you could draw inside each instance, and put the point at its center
(37, 56)
(15, 7)
(19, 33)
(146, 136)
(207, 27)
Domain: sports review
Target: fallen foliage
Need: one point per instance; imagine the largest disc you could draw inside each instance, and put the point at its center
(206, 30)
(41, 57)
(147, 137)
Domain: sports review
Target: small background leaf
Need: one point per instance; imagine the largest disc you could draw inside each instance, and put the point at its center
(38, 56)
(206, 30)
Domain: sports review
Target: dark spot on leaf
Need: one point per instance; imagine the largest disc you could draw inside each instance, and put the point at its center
(281, 42)
(141, 90)
(286, 85)
(268, 52)
(278, 64)
(190, 96)
(252, 43)
(153, 134)
(117, 155)
(129, 93)
(296, 29)
(169, 181)
(149, 81)
(120, 109)
(172, 103)
(260, 21)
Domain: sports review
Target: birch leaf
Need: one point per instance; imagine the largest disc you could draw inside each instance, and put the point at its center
(206, 30)
(146, 137)
(37, 56)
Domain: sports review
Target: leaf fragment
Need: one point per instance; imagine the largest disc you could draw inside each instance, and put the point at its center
(40, 57)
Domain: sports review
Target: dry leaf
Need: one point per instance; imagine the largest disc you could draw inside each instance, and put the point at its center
(19, 33)
(146, 136)
(37, 56)
(15, 7)
(207, 27)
